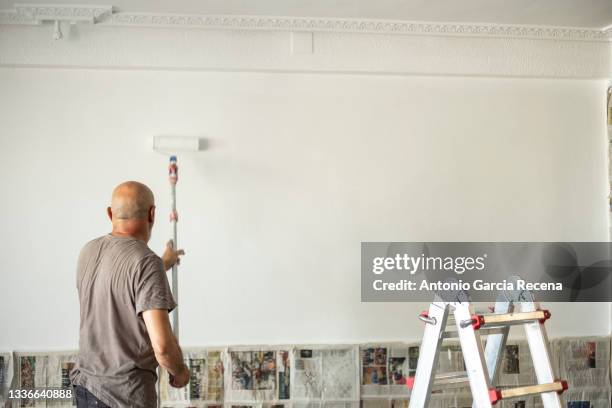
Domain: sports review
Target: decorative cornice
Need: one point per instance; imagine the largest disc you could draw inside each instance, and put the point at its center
(354, 26)
(32, 14)
(9, 17)
(38, 13)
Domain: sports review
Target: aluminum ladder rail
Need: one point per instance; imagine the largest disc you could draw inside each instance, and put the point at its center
(482, 365)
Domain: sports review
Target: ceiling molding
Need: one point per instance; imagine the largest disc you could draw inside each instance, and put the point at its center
(92, 46)
(9, 17)
(355, 26)
(33, 14)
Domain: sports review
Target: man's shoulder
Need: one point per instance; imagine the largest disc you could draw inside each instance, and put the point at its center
(118, 246)
(94, 243)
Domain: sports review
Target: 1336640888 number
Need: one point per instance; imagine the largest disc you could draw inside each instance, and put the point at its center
(40, 393)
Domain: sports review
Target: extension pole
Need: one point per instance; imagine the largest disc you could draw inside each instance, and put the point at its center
(173, 178)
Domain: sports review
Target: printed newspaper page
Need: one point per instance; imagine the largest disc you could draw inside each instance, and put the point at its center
(32, 373)
(307, 374)
(590, 397)
(259, 373)
(329, 374)
(205, 386)
(384, 368)
(6, 376)
(59, 366)
(584, 361)
(516, 367)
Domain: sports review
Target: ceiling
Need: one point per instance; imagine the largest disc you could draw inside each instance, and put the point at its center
(574, 13)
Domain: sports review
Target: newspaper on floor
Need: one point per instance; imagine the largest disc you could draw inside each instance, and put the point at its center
(588, 397)
(59, 366)
(584, 361)
(399, 403)
(326, 373)
(31, 371)
(340, 374)
(205, 386)
(275, 405)
(446, 400)
(258, 374)
(459, 400)
(283, 358)
(384, 368)
(306, 404)
(522, 402)
(383, 402)
(235, 405)
(341, 404)
(516, 367)
(214, 381)
(256, 405)
(375, 403)
(307, 376)
(450, 360)
(6, 376)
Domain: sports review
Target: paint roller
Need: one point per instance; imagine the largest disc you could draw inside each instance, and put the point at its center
(171, 145)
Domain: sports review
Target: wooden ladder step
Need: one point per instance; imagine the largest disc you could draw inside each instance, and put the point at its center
(504, 319)
(496, 394)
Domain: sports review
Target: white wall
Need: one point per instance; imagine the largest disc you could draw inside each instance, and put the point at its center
(301, 169)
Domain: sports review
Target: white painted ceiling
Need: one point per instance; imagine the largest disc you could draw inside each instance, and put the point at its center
(575, 13)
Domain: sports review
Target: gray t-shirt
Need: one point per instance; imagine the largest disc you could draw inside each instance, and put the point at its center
(117, 279)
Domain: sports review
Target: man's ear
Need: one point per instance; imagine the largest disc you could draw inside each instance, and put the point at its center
(152, 214)
(109, 212)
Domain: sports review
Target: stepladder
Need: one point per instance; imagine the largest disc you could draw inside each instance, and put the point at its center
(458, 319)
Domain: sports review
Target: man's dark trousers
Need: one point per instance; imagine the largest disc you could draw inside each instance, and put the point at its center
(86, 399)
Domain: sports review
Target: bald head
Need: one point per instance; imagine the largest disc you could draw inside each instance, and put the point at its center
(132, 210)
(131, 200)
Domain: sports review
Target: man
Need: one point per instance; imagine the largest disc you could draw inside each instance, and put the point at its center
(125, 300)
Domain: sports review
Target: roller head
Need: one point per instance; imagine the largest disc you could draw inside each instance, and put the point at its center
(173, 144)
